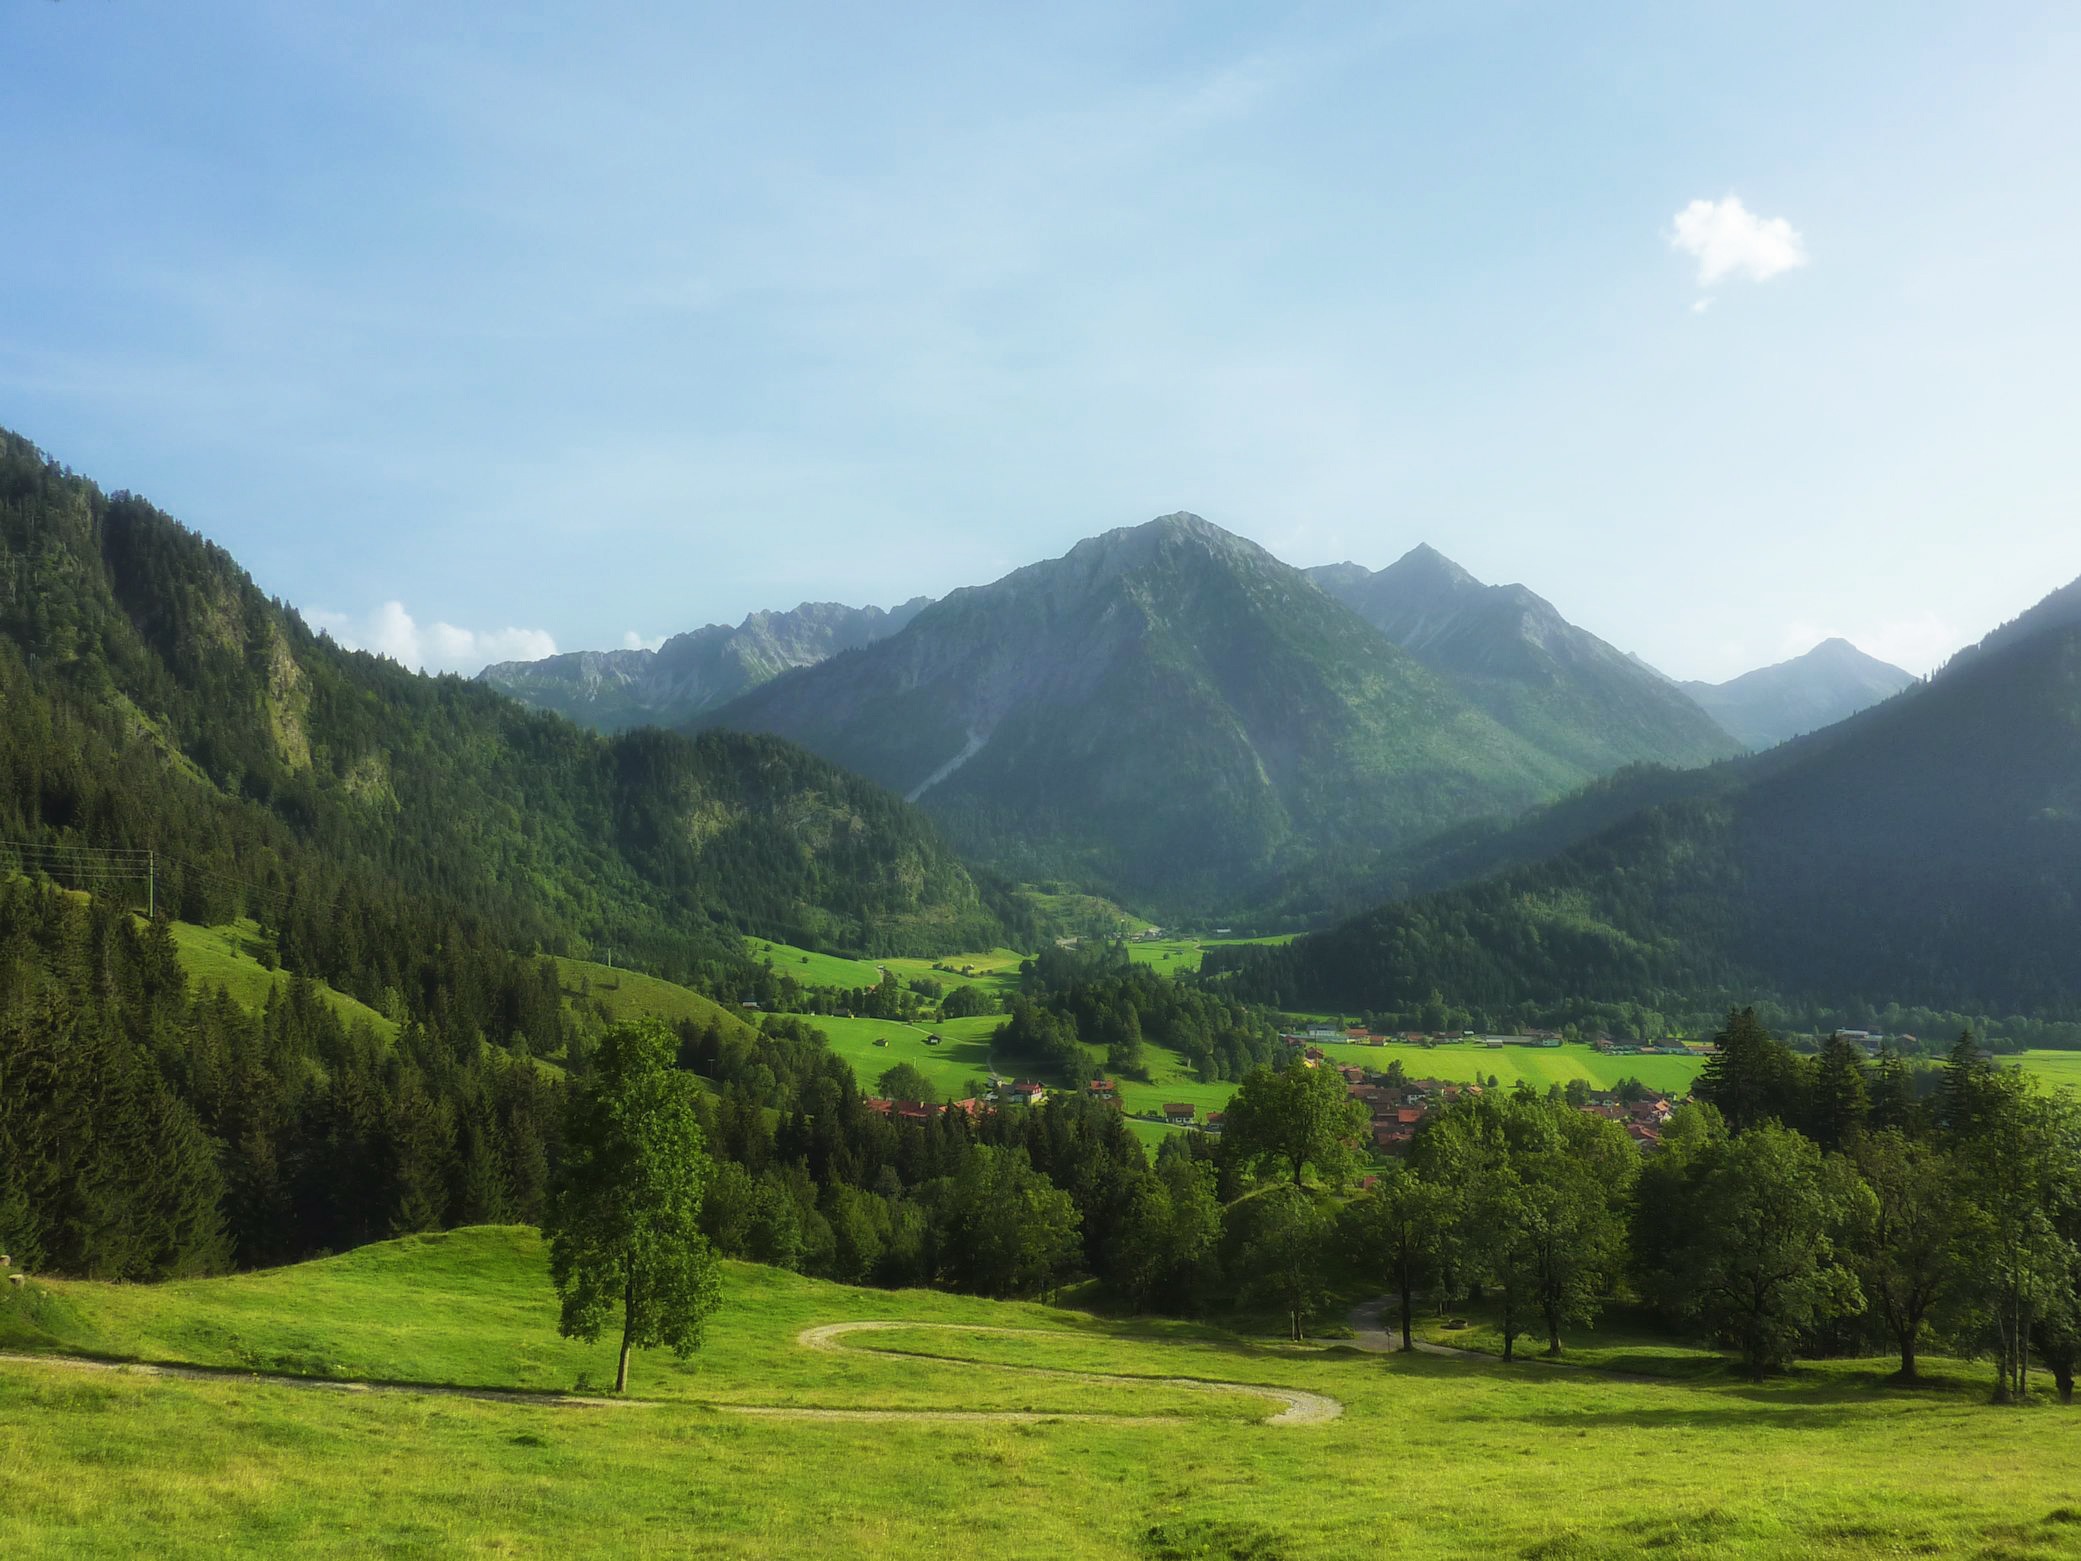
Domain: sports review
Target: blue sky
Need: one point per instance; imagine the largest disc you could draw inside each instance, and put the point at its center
(477, 328)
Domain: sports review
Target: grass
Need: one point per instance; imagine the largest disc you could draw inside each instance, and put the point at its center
(994, 970)
(1462, 1062)
(626, 994)
(813, 969)
(1171, 955)
(226, 957)
(2061, 1069)
(1624, 1338)
(1431, 1458)
(962, 1056)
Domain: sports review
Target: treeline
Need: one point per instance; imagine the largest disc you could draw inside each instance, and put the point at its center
(147, 1132)
(1073, 999)
(154, 698)
(1800, 1206)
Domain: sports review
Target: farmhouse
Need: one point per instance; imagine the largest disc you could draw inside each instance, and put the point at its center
(1177, 1112)
(1027, 1094)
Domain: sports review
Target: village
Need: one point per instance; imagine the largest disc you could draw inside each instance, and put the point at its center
(1396, 1104)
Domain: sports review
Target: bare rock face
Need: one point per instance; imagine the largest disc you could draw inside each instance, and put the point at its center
(612, 690)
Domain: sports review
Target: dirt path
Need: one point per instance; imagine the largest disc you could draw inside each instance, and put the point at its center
(1298, 1407)
(1301, 1407)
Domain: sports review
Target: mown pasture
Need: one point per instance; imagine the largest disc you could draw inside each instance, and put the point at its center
(1429, 1457)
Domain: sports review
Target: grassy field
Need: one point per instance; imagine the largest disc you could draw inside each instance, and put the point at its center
(224, 957)
(995, 970)
(1540, 1066)
(2059, 1068)
(1429, 1457)
(627, 994)
(1171, 955)
(814, 969)
(962, 1056)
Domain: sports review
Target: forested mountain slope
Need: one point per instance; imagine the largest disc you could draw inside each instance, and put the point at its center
(1927, 851)
(1168, 712)
(377, 819)
(1829, 683)
(612, 690)
(1515, 656)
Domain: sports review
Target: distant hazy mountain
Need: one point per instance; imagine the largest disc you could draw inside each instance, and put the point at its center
(1923, 851)
(1167, 711)
(1829, 683)
(1510, 652)
(610, 690)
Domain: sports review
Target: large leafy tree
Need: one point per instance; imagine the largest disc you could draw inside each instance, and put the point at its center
(1398, 1235)
(2021, 1154)
(1909, 1250)
(1007, 1229)
(1295, 1118)
(1753, 1253)
(1281, 1242)
(625, 1221)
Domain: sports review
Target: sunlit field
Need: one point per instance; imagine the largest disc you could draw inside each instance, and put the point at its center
(1425, 1456)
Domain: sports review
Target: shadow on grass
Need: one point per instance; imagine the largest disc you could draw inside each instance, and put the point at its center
(191, 1371)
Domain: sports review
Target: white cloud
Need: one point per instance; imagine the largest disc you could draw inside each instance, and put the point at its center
(1699, 306)
(631, 640)
(432, 647)
(1729, 240)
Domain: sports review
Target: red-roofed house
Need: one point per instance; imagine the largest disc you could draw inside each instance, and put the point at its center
(1177, 1111)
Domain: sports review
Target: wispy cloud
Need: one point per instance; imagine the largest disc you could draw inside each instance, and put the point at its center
(631, 640)
(432, 647)
(1729, 240)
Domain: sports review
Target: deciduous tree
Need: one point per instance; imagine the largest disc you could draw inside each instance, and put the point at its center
(625, 1221)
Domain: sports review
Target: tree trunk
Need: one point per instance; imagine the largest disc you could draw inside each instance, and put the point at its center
(1296, 1316)
(628, 1335)
(2063, 1379)
(1553, 1331)
(1908, 1373)
(1408, 1341)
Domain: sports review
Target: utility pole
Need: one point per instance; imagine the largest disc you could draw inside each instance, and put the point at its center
(151, 885)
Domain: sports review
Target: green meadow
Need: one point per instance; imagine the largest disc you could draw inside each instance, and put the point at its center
(1171, 955)
(2059, 1068)
(814, 969)
(227, 957)
(1071, 1437)
(995, 970)
(962, 1057)
(626, 994)
(1461, 1063)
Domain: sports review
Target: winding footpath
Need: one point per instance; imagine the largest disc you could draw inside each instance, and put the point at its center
(1297, 1407)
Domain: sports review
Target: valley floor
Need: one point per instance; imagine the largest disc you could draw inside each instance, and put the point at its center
(1068, 1435)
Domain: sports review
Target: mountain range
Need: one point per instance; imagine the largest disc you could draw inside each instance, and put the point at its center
(1925, 851)
(1511, 653)
(612, 690)
(1171, 714)
(1030, 715)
